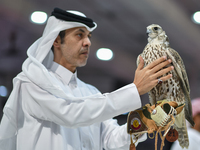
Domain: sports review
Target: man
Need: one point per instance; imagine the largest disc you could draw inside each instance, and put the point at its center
(50, 108)
(193, 132)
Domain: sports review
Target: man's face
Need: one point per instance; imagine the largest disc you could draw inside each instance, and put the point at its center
(74, 50)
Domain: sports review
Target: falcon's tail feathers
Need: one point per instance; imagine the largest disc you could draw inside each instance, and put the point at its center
(183, 135)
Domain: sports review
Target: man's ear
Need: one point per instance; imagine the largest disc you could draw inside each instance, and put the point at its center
(57, 42)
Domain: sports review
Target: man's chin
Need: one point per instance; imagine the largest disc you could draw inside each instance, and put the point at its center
(82, 64)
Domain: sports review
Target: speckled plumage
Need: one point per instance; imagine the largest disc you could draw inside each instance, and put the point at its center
(175, 89)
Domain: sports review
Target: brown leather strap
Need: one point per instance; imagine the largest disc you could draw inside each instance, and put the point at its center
(132, 145)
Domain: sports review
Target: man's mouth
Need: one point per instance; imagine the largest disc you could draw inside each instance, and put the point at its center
(85, 52)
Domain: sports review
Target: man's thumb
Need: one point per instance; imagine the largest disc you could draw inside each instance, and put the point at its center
(141, 63)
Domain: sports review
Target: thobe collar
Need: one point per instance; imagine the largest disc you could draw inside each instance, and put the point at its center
(67, 76)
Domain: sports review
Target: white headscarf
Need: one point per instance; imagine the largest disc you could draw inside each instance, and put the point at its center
(35, 69)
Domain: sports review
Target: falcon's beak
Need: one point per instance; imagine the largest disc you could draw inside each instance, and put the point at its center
(148, 31)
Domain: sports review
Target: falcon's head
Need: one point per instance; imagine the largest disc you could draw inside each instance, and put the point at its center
(154, 30)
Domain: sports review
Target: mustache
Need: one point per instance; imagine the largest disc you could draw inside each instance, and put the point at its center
(85, 50)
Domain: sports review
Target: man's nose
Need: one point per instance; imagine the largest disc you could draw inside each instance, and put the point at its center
(87, 42)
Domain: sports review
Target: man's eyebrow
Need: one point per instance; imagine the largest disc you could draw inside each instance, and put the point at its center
(84, 31)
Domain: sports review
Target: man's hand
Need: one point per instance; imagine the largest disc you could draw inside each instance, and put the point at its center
(147, 78)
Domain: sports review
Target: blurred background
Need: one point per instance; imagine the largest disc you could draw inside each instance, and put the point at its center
(121, 28)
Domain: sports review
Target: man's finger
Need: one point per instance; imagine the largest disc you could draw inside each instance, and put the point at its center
(163, 71)
(156, 62)
(165, 78)
(161, 65)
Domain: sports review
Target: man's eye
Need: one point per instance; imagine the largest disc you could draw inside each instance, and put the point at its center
(80, 35)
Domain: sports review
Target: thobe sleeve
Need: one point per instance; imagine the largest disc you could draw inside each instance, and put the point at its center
(85, 111)
(116, 137)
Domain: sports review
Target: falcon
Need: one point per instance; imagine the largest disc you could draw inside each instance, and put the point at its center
(176, 88)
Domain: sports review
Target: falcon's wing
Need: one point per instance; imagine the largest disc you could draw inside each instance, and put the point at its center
(180, 68)
(184, 83)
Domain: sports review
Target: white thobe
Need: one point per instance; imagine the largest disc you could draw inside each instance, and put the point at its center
(47, 122)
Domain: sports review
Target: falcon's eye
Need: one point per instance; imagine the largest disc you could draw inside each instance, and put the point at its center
(155, 28)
